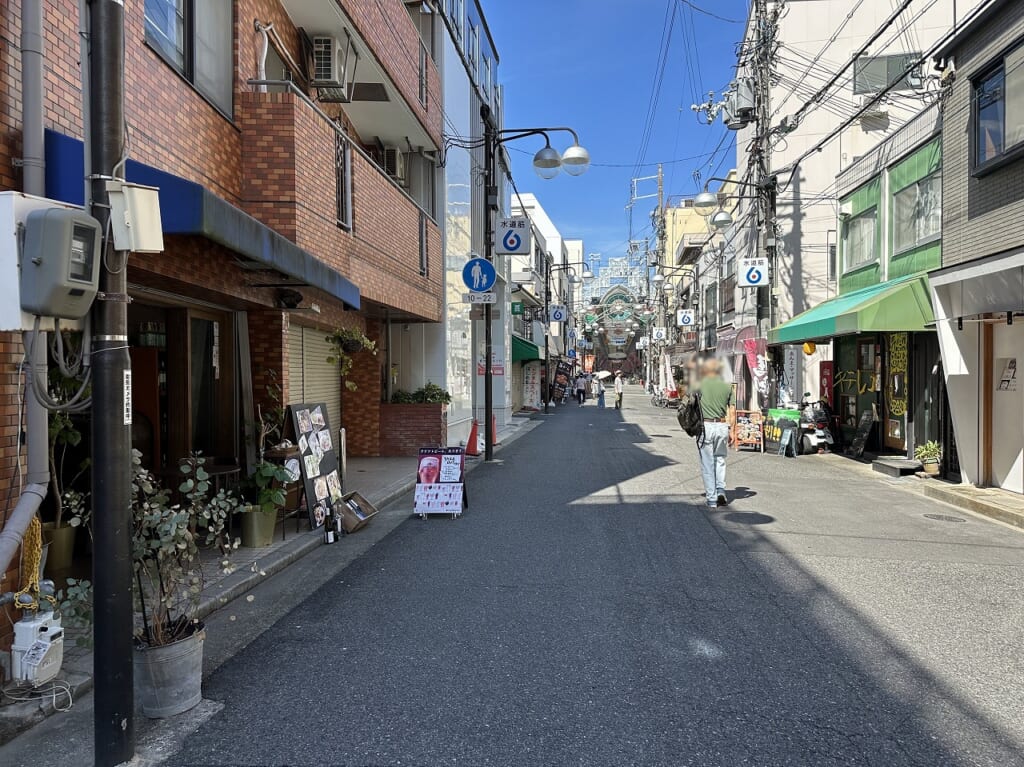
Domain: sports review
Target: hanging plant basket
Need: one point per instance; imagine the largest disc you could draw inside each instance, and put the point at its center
(351, 346)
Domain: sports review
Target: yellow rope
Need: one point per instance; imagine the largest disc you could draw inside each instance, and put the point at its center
(31, 555)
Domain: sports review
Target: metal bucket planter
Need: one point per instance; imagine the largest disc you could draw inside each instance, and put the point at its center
(62, 546)
(258, 528)
(169, 678)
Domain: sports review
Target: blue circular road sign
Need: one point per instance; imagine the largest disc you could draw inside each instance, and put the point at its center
(479, 275)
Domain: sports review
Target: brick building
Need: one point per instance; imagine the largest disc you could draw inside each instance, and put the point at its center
(296, 148)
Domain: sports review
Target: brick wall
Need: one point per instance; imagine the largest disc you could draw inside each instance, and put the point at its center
(404, 429)
(361, 409)
(11, 354)
(980, 216)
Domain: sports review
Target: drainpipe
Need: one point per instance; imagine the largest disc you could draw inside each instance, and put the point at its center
(34, 183)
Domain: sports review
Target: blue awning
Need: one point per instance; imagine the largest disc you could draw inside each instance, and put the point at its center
(190, 208)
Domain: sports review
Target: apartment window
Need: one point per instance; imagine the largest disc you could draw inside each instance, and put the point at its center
(872, 74)
(196, 39)
(457, 16)
(343, 180)
(917, 213)
(473, 50)
(424, 251)
(423, 74)
(486, 78)
(999, 110)
(859, 240)
(727, 299)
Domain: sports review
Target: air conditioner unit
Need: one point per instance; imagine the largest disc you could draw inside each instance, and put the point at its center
(394, 163)
(875, 109)
(330, 66)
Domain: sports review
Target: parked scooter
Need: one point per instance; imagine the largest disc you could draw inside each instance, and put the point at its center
(815, 435)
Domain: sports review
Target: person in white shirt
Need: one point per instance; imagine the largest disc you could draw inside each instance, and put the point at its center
(581, 389)
(619, 386)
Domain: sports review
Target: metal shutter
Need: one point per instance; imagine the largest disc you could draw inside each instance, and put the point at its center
(311, 377)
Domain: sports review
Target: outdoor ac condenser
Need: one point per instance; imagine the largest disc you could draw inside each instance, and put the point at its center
(38, 650)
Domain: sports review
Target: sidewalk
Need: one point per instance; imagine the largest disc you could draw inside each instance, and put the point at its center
(383, 481)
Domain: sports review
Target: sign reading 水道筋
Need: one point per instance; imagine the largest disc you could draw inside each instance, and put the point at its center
(752, 272)
(512, 237)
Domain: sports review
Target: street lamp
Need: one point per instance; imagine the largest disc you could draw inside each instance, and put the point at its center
(705, 203)
(721, 219)
(547, 162)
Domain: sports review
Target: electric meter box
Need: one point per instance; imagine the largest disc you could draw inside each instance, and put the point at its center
(60, 263)
(15, 208)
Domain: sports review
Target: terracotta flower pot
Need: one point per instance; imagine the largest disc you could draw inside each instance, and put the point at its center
(931, 467)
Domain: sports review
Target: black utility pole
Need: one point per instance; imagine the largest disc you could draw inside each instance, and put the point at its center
(547, 329)
(114, 724)
(490, 205)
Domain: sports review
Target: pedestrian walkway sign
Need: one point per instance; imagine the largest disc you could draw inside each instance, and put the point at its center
(753, 272)
(479, 275)
(512, 237)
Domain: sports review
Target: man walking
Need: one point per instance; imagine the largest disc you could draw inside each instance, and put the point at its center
(718, 409)
(619, 386)
(581, 389)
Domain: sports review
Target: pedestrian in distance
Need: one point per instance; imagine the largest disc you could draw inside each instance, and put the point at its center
(619, 388)
(718, 410)
(600, 393)
(581, 389)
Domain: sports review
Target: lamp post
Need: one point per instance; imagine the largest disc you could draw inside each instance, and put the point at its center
(547, 163)
(574, 279)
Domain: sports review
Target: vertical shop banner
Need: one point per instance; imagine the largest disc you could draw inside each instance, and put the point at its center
(588, 363)
(531, 384)
(756, 351)
(827, 377)
(440, 485)
(789, 387)
(560, 385)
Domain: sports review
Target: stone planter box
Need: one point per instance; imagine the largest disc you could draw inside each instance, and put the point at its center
(404, 429)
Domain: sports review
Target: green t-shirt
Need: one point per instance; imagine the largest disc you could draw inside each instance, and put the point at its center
(715, 397)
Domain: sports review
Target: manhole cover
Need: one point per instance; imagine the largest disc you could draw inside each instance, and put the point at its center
(945, 518)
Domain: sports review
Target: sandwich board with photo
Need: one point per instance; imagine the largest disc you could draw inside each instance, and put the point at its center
(308, 427)
(440, 482)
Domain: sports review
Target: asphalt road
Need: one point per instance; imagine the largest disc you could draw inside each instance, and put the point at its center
(587, 610)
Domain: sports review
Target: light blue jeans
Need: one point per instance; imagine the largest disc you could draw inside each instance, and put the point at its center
(712, 460)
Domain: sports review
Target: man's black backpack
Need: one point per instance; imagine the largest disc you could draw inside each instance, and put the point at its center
(690, 417)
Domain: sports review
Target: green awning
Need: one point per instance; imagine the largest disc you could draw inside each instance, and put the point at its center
(900, 305)
(524, 351)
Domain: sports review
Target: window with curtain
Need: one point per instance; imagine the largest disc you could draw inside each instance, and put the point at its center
(917, 213)
(196, 38)
(998, 117)
(859, 240)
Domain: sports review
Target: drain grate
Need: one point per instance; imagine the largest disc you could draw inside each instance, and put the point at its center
(945, 518)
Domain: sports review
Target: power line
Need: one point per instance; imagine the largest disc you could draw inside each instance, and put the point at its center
(659, 76)
(697, 8)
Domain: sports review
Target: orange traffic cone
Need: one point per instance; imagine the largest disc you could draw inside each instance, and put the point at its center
(494, 429)
(473, 444)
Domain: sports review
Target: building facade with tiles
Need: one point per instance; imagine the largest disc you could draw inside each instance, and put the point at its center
(297, 148)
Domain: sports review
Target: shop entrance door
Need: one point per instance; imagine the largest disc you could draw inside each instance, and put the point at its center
(1007, 440)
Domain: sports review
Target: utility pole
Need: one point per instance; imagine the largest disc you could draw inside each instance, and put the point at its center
(490, 205)
(765, 27)
(547, 329)
(113, 719)
(660, 224)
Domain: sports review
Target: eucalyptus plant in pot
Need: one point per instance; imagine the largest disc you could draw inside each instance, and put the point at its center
(929, 454)
(70, 511)
(169, 581)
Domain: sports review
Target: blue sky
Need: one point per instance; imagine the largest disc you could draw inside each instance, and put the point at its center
(594, 72)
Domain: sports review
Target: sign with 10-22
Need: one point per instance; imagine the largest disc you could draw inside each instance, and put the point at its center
(753, 272)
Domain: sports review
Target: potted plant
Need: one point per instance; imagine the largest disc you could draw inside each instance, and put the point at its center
(345, 343)
(169, 637)
(929, 454)
(260, 518)
(60, 534)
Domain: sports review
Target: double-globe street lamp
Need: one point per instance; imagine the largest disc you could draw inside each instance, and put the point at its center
(574, 279)
(547, 163)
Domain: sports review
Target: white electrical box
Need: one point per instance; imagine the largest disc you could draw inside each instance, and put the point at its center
(14, 210)
(135, 217)
(38, 650)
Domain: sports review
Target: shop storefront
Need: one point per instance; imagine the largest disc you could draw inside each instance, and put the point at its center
(886, 363)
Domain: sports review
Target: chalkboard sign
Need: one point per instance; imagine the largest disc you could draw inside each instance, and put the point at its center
(786, 442)
(867, 420)
(309, 428)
